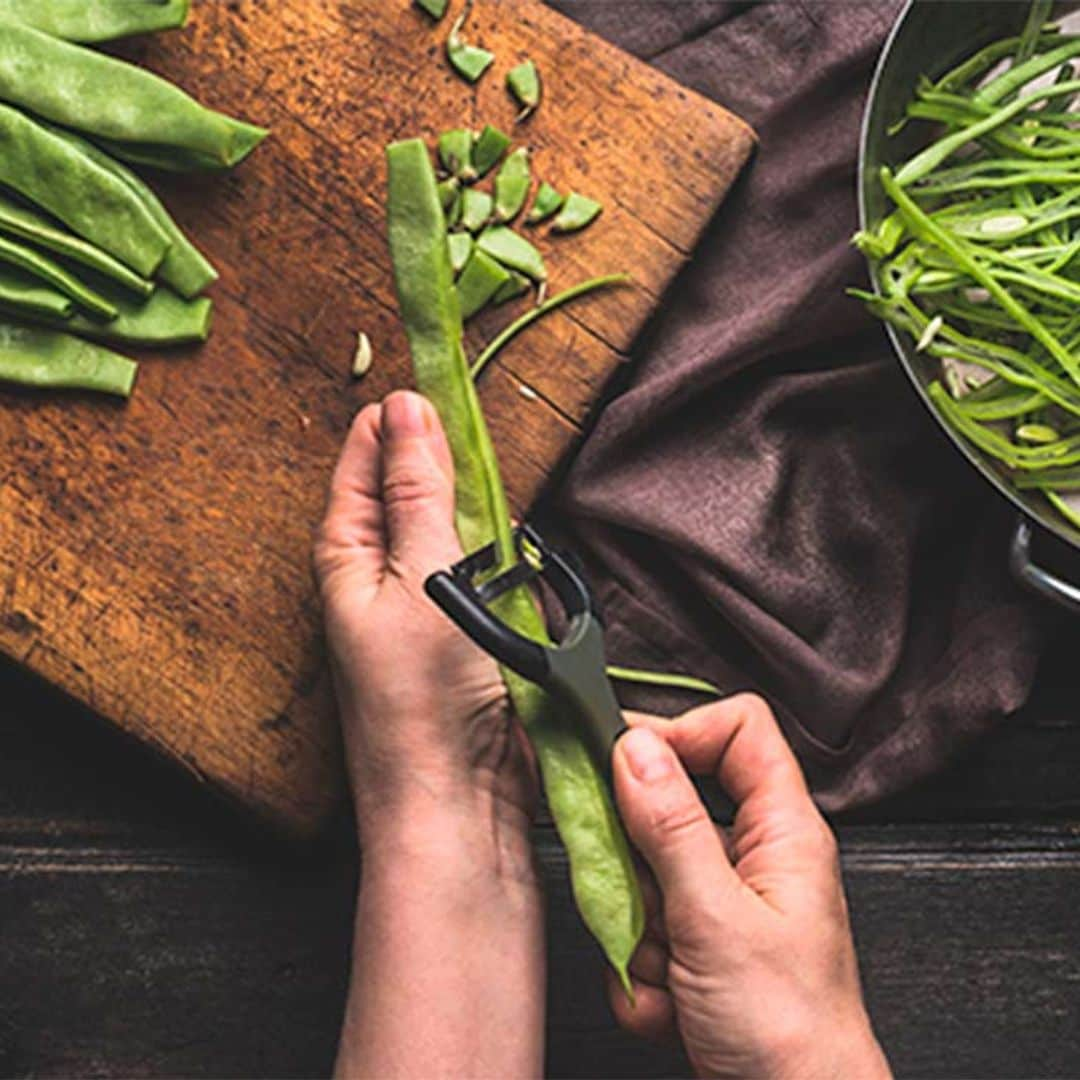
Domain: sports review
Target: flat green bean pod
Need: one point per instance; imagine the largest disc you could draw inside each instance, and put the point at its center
(165, 319)
(476, 207)
(53, 274)
(455, 153)
(46, 358)
(112, 100)
(512, 185)
(461, 245)
(602, 873)
(489, 147)
(523, 82)
(93, 203)
(513, 251)
(28, 224)
(481, 279)
(469, 61)
(184, 267)
(24, 295)
(547, 202)
(578, 211)
(517, 285)
(435, 8)
(94, 21)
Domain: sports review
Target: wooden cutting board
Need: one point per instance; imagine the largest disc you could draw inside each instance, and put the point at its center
(154, 556)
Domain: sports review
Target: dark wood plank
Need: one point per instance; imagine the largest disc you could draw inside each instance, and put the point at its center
(179, 961)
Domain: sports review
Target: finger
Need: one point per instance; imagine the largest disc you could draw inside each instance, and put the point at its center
(352, 531)
(649, 964)
(668, 822)
(417, 486)
(652, 1014)
(739, 741)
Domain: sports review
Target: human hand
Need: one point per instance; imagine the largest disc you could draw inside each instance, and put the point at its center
(431, 741)
(748, 951)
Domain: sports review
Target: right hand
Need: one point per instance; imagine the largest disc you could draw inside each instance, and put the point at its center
(748, 951)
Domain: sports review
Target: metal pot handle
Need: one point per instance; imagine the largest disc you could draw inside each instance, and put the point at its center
(1035, 577)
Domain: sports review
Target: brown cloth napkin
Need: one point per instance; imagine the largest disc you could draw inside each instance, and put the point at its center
(766, 503)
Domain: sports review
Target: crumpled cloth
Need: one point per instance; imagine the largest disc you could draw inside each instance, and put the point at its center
(766, 503)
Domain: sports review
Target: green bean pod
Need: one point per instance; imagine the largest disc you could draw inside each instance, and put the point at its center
(602, 873)
(481, 279)
(52, 174)
(547, 203)
(164, 320)
(513, 251)
(512, 185)
(94, 21)
(461, 246)
(26, 224)
(577, 212)
(112, 100)
(523, 82)
(455, 153)
(53, 274)
(26, 296)
(435, 8)
(517, 285)
(476, 207)
(184, 267)
(489, 147)
(45, 358)
(469, 61)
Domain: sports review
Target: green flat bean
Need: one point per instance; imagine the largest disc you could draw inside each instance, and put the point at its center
(164, 320)
(546, 203)
(110, 99)
(489, 147)
(481, 279)
(461, 245)
(46, 358)
(53, 274)
(602, 873)
(27, 224)
(578, 211)
(513, 251)
(517, 285)
(184, 267)
(469, 61)
(497, 344)
(512, 185)
(476, 207)
(523, 82)
(93, 203)
(94, 21)
(435, 8)
(455, 153)
(25, 296)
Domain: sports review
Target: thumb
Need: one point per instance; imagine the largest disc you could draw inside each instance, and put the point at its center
(668, 822)
(417, 485)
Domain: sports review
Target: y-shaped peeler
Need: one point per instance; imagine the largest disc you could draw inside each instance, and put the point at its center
(573, 669)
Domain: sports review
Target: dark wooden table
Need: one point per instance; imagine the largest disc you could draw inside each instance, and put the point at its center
(144, 931)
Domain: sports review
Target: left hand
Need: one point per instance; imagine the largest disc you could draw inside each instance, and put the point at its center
(429, 731)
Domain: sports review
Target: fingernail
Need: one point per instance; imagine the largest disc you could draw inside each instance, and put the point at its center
(647, 754)
(405, 414)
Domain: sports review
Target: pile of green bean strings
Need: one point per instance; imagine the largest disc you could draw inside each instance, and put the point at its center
(979, 259)
(87, 250)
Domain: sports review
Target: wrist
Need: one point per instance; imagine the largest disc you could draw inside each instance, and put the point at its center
(842, 1051)
(481, 843)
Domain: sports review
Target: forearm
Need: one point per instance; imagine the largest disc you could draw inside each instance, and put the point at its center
(448, 960)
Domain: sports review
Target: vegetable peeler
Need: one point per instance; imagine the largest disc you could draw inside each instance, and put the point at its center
(572, 669)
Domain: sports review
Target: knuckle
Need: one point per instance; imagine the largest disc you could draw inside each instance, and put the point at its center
(408, 487)
(754, 709)
(675, 818)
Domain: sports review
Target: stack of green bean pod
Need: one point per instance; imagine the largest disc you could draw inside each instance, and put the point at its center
(980, 259)
(87, 250)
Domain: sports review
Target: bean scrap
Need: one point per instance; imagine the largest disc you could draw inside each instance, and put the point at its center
(513, 251)
(523, 82)
(512, 185)
(547, 203)
(577, 212)
(488, 149)
(469, 61)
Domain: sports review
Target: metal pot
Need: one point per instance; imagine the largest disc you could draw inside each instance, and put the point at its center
(929, 38)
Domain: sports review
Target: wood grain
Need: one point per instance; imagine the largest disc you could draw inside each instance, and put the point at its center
(154, 557)
(125, 961)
